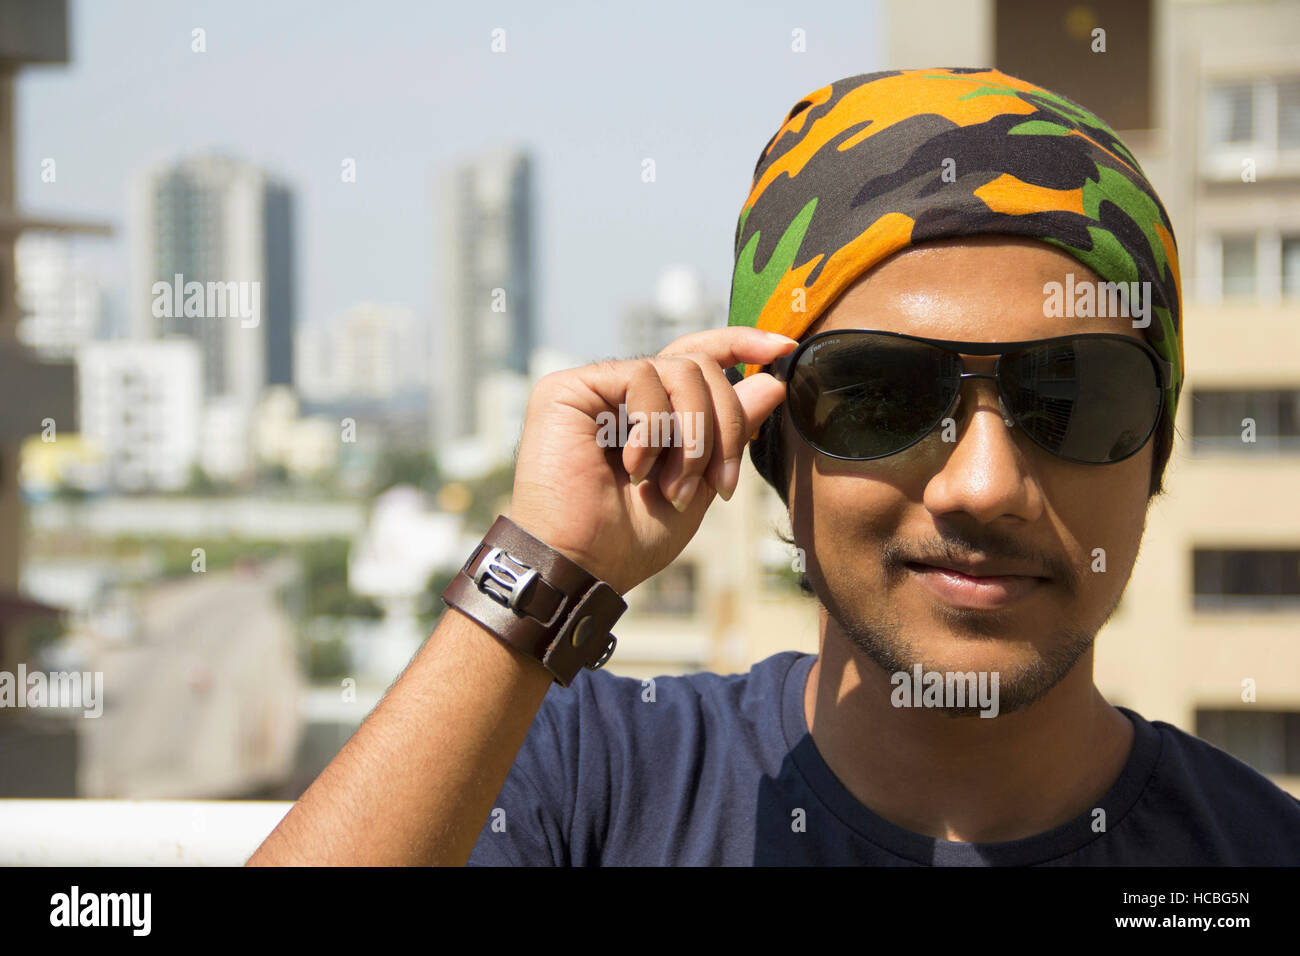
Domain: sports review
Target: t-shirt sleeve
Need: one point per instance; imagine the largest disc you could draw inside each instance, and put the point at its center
(529, 821)
(1241, 818)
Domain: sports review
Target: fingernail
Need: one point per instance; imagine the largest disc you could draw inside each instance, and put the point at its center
(730, 477)
(684, 494)
(779, 337)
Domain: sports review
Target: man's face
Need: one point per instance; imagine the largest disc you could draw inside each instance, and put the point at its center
(991, 494)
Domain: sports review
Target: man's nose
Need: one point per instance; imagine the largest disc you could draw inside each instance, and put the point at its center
(987, 474)
(1006, 415)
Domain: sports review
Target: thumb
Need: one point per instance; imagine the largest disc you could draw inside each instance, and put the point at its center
(759, 395)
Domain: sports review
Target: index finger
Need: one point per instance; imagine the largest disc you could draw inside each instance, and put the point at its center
(733, 345)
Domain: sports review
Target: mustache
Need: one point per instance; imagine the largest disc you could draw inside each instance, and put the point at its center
(961, 546)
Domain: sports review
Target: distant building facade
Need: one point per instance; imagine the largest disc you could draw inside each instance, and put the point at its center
(140, 407)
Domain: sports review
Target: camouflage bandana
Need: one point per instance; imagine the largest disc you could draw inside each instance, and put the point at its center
(857, 172)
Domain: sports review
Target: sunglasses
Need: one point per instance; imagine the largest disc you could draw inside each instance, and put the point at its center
(1092, 399)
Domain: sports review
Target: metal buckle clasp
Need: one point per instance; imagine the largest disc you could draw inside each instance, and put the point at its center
(510, 584)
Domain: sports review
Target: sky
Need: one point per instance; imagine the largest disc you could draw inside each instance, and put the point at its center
(409, 90)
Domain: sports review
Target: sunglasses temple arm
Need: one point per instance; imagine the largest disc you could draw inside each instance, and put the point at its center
(780, 370)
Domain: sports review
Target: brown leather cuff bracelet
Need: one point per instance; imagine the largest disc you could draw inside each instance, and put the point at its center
(536, 600)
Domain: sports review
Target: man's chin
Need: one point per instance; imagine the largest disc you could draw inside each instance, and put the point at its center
(951, 671)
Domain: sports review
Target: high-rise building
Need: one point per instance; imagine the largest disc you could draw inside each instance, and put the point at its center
(214, 220)
(281, 283)
(213, 262)
(487, 318)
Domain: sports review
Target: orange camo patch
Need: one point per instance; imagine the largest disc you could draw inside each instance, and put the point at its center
(1015, 197)
(1171, 253)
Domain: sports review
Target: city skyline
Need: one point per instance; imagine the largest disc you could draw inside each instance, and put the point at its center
(103, 119)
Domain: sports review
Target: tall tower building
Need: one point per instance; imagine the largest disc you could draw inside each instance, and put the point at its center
(281, 283)
(486, 297)
(215, 220)
(213, 262)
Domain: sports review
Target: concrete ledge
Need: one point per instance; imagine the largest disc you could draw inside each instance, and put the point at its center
(134, 832)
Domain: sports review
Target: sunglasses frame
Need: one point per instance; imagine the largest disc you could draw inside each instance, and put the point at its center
(782, 367)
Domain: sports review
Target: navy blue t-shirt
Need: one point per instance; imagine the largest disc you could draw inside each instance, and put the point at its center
(714, 770)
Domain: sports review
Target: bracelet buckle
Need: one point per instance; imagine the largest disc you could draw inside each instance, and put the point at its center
(510, 584)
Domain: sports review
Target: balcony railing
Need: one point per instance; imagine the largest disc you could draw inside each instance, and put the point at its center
(134, 832)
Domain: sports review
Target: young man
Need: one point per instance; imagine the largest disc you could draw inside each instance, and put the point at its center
(960, 433)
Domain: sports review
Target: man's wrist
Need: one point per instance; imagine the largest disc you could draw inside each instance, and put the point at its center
(555, 539)
(536, 599)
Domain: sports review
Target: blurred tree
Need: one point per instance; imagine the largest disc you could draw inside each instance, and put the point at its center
(274, 476)
(328, 659)
(325, 572)
(34, 636)
(200, 483)
(219, 554)
(406, 466)
(66, 492)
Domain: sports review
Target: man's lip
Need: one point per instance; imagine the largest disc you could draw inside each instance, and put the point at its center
(960, 589)
(988, 569)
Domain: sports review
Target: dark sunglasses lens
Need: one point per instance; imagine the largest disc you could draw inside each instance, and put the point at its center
(866, 396)
(1088, 400)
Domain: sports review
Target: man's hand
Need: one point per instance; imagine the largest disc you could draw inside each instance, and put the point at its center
(625, 513)
(416, 781)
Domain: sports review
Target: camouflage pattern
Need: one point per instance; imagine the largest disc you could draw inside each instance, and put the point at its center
(854, 174)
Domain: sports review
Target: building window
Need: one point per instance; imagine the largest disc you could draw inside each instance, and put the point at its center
(1268, 740)
(1288, 113)
(1232, 113)
(1239, 266)
(672, 591)
(1246, 579)
(1291, 266)
(1217, 417)
(1256, 119)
